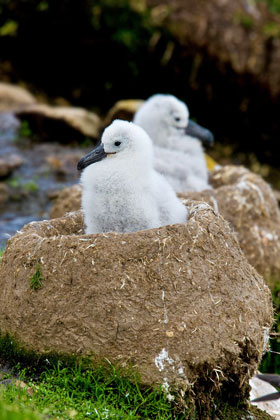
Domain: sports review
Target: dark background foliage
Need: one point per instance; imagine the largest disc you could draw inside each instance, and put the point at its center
(93, 53)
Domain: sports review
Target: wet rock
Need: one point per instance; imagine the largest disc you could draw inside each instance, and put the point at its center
(241, 34)
(13, 97)
(180, 303)
(67, 200)
(64, 163)
(9, 163)
(249, 204)
(8, 122)
(123, 110)
(61, 123)
(260, 388)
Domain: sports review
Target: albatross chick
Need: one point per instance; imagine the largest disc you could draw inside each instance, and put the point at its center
(177, 142)
(120, 189)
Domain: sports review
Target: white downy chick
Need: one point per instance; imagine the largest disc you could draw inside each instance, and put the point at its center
(177, 141)
(120, 189)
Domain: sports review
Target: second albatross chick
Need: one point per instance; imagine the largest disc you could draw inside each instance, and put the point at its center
(177, 142)
(120, 189)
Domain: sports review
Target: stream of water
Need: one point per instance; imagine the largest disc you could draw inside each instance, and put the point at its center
(32, 184)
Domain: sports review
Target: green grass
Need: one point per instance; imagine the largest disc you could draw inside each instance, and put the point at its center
(60, 387)
(36, 281)
(70, 388)
(63, 387)
(76, 392)
(271, 360)
(273, 5)
(27, 186)
(16, 411)
(25, 130)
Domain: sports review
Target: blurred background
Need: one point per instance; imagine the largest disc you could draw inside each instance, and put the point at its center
(221, 57)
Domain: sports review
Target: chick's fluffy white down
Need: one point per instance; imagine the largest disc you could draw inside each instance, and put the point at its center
(123, 192)
(179, 157)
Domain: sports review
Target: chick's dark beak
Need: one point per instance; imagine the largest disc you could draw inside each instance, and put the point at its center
(200, 133)
(93, 156)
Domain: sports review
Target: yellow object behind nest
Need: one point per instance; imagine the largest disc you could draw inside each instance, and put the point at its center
(211, 163)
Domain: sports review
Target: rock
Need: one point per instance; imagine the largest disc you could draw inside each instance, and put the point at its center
(243, 35)
(248, 203)
(123, 110)
(68, 199)
(64, 163)
(179, 303)
(68, 123)
(260, 388)
(17, 383)
(9, 163)
(8, 122)
(244, 199)
(13, 97)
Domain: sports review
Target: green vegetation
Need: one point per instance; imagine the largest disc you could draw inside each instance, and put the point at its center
(272, 29)
(1, 253)
(9, 28)
(244, 20)
(21, 358)
(78, 392)
(24, 129)
(16, 411)
(271, 361)
(30, 186)
(27, 186)
(87, 142)
(36, 281)
(43, 6)
(130, 34)
(273, 5)
(75, 392)
(63, 387)
(73, 389)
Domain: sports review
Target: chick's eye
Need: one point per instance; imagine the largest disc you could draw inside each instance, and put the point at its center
(177, 118)
(117, 143)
